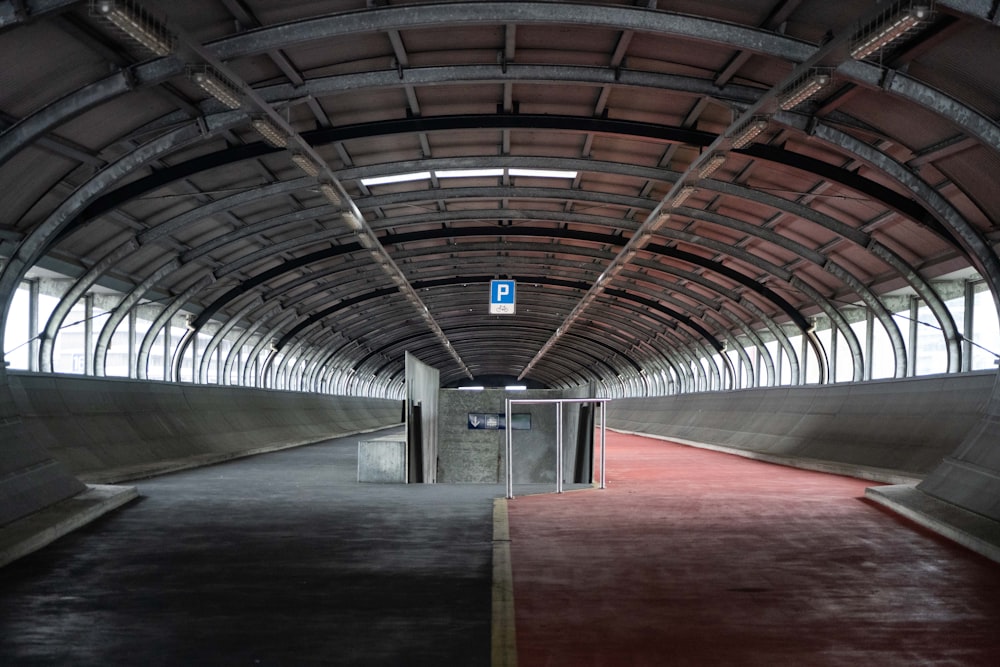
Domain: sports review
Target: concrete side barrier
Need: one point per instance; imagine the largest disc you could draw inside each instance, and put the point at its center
(907, 426)
(97, 426)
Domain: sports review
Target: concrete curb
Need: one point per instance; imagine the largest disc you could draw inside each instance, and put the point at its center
(503, 645)
(973, 531)
(869, 473)
(27, 535)
(147, 470)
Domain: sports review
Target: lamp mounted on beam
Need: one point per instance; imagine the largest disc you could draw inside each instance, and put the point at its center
(271, 133)
(303, 162)
(216, 85)
(747, 133)
(711, 165)
(682, 196)
(330, 192)
(887, 29)
(132, 19)
(351, 221)
(804, 88)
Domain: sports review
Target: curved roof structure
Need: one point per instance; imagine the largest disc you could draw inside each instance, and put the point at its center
(676, 187)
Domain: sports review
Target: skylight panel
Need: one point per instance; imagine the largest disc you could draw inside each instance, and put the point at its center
(468, 173)
(396, 178)
(543, 173)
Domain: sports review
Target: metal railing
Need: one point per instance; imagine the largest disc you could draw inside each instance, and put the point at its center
(558, 402)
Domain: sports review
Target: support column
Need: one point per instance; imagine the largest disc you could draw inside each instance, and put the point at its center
(834, 333)
(869, 343)
(34, 296)
(133, 318)
(88, 334)
(166, 351)
(968, 321)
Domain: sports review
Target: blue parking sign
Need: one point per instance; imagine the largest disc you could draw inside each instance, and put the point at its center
(502, 297)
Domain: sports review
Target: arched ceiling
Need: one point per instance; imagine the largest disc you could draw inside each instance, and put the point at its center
(596, 152)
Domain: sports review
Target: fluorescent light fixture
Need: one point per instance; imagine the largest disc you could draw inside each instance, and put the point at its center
(467, 173)
(745, 135)
(396, 178)
(216, 85)
(133, 20)
(887, 30)
(472, 388)
(351, 221)
(516, 387)
(304, 163)
(682, 196)
(711, 165)
(542, 173)
(270, 132)
(330, 192)
(803, 89)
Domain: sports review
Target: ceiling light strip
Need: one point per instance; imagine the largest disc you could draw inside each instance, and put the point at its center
(390, 179)
(396, 178)
(741, 133)
(225, 86)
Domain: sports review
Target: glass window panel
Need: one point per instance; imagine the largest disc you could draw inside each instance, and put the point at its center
(883, 356)
(845, 360)
(985, 331)
(68, 351)
(932, 352)
(17, 330)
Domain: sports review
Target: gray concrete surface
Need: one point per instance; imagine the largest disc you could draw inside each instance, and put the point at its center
(280, 559)
(38, 530)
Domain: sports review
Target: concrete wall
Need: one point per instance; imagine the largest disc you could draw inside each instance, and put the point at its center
(899, 425)
(970, 475)
(469, 455)
(105, 429)
(30, 477)
(422, 385)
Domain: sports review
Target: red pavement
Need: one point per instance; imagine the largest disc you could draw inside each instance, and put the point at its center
(692, 557)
